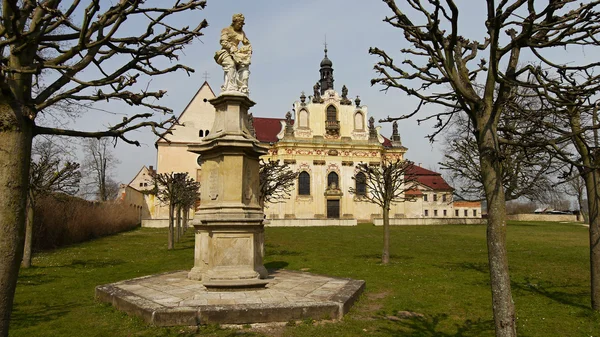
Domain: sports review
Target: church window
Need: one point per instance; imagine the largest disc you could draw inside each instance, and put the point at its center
(201, 133)
(359, 121)
(303, 119)
(332, 178)
(331, 114)
(361, 184)
(304, 183)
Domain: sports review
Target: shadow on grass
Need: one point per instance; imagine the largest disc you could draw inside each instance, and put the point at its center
(282, 252)
(429, 325)
(32, 316)
(573, 299)
(35, 279)
(93, 263)
(274, 265)
(480, 267)
(377, 256)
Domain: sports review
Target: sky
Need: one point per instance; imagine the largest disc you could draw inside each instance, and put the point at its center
(287, 39)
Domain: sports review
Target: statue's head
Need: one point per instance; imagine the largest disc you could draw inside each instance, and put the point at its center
(237, 21)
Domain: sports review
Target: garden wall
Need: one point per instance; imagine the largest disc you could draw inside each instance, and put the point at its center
(543, 217)
(430, 221)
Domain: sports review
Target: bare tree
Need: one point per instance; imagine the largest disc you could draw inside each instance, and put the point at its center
(98, 167)
(87, 54)
(277, 180)
(175, 190)
(575, 187)
(384, 185)
(444, 68)
(50, 173)
(527, 172)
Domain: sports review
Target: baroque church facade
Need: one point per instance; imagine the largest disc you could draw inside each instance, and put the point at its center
(323, 140)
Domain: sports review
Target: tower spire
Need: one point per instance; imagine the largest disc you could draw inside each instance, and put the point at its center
(326, 71)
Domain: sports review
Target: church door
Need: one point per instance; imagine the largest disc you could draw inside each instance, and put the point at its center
(333, 209)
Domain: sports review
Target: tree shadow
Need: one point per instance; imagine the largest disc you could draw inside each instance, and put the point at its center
(35, 279)
(93, 263)
(480, 267)
(274, 265)
(377, 256)
(542, 288)
(29, 317)
(429, 326)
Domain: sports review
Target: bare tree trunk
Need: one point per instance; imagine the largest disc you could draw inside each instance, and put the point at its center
(178, 224)
(171, 232)
(385, 257)
(491, 172)
(26, 263)
(592, 185)
(186, 215)
(15, 152)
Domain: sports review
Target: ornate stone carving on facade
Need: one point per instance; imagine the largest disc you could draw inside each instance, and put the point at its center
(317, 93)
(357, 102)
(251, 125)
(235, 59)
(303, 99)
(345, 100)
(372, 130)
(289, 128)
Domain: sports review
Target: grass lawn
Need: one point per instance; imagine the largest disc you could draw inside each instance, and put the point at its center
(439, 272)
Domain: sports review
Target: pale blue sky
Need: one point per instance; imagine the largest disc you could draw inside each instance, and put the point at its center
(287, 39)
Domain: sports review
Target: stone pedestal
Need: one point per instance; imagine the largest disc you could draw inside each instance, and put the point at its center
(228, 224)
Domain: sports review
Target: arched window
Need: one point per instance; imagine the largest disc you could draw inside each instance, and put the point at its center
(331, 113)
(359, 121)
(206, 132)
(201, 133)
(332, 178)
(303, 119)
(304, 183)
(361, 184)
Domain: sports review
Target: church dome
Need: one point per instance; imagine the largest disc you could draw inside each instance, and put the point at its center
(326, 62)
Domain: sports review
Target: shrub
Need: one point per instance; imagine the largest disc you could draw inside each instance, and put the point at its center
(62, 220)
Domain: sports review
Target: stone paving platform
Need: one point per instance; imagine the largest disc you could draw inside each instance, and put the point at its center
(172, 299)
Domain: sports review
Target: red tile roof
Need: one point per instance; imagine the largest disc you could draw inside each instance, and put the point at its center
(267, 129)
(429, 178)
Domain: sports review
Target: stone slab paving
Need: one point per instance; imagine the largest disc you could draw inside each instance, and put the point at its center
(172, 299)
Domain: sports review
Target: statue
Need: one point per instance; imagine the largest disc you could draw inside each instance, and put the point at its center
(288, 118)
(317, 93)
(345, 100)
(235, 59)
(371, 123)
(395, 128)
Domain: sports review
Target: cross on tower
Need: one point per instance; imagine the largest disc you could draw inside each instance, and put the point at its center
(325, 44)
(206, 77)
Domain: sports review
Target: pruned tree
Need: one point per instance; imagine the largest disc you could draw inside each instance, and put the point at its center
(384, 185)
(527, 172)
(98, 167)
(445, 68)
(276, 181)
(88, 51)
(188, 200)
(175, 190)
(49, 173)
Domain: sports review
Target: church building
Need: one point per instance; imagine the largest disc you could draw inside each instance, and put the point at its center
(323, 139)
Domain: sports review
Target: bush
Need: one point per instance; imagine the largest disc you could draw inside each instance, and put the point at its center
(62, 220)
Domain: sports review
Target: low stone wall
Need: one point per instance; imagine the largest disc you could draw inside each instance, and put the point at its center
(430, 221)
(155, 223)
(309, 222)
(543, 217)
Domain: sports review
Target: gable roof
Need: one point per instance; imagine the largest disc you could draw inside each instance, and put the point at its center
(137, 174)
(429, 178)
(167, 132)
